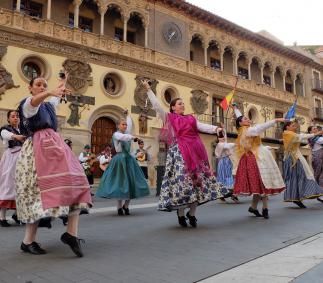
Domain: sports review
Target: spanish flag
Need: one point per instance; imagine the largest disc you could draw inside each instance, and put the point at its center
(227, 100)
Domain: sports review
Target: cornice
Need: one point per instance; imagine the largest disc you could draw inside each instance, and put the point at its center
(44, 44)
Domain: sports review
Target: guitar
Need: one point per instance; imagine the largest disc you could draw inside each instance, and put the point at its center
(142, 157)
(105, 165)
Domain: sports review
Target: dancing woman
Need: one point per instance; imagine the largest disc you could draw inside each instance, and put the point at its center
(188, 180)
(12, 140)
(123, 179)
(223, 151)
(257, 173)
(299, 179)
(49, 179)
(316, 144)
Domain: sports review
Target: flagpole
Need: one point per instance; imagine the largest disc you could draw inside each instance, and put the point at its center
(226, 116)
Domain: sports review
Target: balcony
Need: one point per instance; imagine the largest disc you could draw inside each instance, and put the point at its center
(317, 85)
(67, 41)
(318, 114)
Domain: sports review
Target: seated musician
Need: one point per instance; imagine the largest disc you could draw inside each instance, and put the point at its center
(105, 158)
(142, 157)
(87, 159)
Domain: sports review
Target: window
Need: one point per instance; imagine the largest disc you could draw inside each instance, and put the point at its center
(191, 55)
(215, 64)
(170, 94)
(31, 70)
(30, 8)
(279, 114)
(217, 111)
(131, 37)
(318, 103)
(243, 73)
(289, 87)
(267, 80)
(118, 34)
(85, 24)
(113, 84)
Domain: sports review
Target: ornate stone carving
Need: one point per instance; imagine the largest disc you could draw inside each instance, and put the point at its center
(3, 51)
(78, 75)
(140, 95)
(6, 81)
(77, 101)
(199, 101)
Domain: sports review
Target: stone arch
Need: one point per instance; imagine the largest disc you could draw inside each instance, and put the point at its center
(289, 81)
(278, 76)
(114, 18)
(255, 69)
(267, 73)
(214, 54)
(136, 27)
(196, 49)
(113, 112)
(228, 58)
(299, 85)
(243, 64)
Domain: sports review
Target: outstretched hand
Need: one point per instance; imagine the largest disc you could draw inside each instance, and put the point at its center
(281, 120)
(145, 84)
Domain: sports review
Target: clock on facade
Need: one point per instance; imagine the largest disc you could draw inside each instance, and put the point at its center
(172, 33)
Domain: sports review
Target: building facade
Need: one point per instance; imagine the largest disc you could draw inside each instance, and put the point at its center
(109, 46)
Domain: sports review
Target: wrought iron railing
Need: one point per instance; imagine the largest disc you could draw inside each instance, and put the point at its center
(319, 113)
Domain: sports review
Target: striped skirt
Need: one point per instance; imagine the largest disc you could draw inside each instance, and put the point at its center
(224, 172)
(298, 187)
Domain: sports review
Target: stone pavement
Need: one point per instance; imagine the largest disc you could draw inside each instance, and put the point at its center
(149, 246)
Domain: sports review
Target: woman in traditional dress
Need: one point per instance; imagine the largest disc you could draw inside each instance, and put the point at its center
(299, 179)
(123, 179)
(316, 144)
(257, 174)
(223, 151)
(12, 140)
(50, 181)
(188, 180)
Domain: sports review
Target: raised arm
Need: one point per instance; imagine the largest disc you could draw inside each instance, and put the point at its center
(123, 137)
(129, 125)
(260, 128)
(156, 105)
(206, 128)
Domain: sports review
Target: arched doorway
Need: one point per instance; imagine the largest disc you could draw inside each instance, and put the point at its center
(102, 131)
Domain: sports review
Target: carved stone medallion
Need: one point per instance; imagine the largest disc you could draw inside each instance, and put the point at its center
(78, 75)
(140, 95)
(199, 101)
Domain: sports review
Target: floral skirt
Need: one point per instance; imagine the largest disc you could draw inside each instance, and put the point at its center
(28, 199)
(179, 190)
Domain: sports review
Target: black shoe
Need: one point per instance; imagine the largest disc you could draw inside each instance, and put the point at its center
(64, 219)
(222, 199)
(320, 200)
(126, 210)
(265, 213)
(192, 220)
(84, 211)
(228, 195)
(120, 211)
(254, 211)
(33, 248)
(45, 222)
(4, 223)
(299, 204)
(235, 199)
(73, 242)
(181, 220)
(15, 218)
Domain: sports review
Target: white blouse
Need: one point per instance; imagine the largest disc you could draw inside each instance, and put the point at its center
(30, 111)
(6, 137)
(259, 128)
(118, 137)
(204, 128)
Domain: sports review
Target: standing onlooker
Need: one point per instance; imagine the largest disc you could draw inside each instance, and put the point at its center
(143, 157)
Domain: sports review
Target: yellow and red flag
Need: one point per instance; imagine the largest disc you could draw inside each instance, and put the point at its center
(225, 103)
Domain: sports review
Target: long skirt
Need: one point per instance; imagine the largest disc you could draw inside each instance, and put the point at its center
(7, 178)
(224, 172)
(29, 203)
(317, 164)
(179, 190)
(298, 186)
(123, 179)
(248, 179)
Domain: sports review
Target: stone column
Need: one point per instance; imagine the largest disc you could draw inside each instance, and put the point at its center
(272, 76)
(102, 11)
(125, 24)
(146, 35)
(221, 60)
(18, 5)
(249, 70)
(235, 64)
(294, 85)
(261, 66)
(284, 86)
(205, 47)
(77, 4)
(49, 9)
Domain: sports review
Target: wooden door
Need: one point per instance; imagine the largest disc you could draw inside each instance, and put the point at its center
(102, 131)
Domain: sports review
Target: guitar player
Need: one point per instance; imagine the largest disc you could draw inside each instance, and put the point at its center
(87, 159)
(142, 157)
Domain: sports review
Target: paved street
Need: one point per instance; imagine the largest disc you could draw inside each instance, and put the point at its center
(149, 246)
